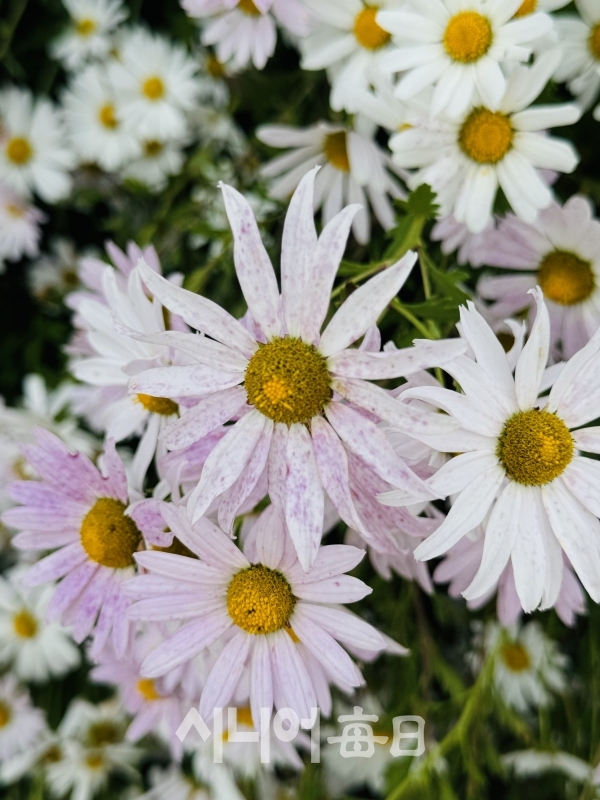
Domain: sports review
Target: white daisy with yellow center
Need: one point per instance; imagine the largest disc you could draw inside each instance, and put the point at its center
(89, 33)
(466, 160)
(21, 724)
(520, 462)
(458, 48)
(580, 44)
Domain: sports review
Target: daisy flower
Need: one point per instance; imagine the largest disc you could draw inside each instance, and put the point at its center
(457, 48)
(528, 665)
(35, 649)
(94, 121)
(159, 159)
(33, 157)
(155, 85)
(348, 41)
(285, 381)
(20, 723)
(83, 516)
(454, 236)
(55, 272)
(354, 170)
(89, 32)
(280, 622)
(245, 31)
(580, 45)
(561, 254)
(173, 784)
(519, 460)
(465, 160)
(20, 231)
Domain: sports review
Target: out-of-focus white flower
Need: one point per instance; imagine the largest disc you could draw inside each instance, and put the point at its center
(54, 273)
(20, 723)
(580, 46)
(531, 763)
(19, 227)
(33, 156)
(157, 162)
(472, 247)
(89, 32)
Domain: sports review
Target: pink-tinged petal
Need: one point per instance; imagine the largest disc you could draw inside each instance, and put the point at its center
(291, 678)
(225, 674)
(90, 602)
(187, 381)
(53, 522)
(252, 264)
(467, 512)
(56, 566)
(44, 497)
(297, 252)
(587, 439)
(471, 414)
(178, 568)
(261, 680)
(327, 256)
(406, 417)
(339, 589)
(200, 348)
(185, 644)
(122, 630)
(277, 466)
(201, 419)
(240, 491)
(501, 533)
(304, 501)
(104, 623)
(144, 586)
(69, 589)
(115, 472)
(582, 477)
(226, 462)
(534, 357)
(369, 443)
(364, 306)
(508, 605)
(332, 462)
(318, 679)
(206, 540)
(269, 536)
(40, 540)
(395, 363)
(148, 517)
(324, 647)
(371, 342)
(345, 627)
(333, 560)
(199, 312)
(173, 608)
(578, 532)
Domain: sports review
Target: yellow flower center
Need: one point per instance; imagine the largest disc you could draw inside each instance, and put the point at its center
(366, 30)
(15, 211)
(515, 657)
(594, 41)
(565, 278)
(243, 717)
(214, 67)
(85, 27)
(158, 405)
(535, 447)
(288, 381)
(527, 7)
(147, 688)
(18, 150)
(260, 600)
(248, 7)
(25, 624)
(5, 714)
(486, 136)
(108, 536)
(153, 88)
(468, 37)
(102, 733)
(152, 148)
(95, 761)
(336, 151)
(107, 117)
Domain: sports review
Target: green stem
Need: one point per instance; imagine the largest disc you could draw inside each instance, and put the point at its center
(17, 9)
(415, 321)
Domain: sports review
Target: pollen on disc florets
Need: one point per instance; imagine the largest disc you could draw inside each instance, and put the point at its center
(260, 600)
(515, 657)
(367, 32)
(527, 7)
(594, 42)
(335, 149)
(468, 37)
(108, 536)
(486, 136)
(158, 405)
(565, 278)
(288, 381)
(249, 7)
(25, 624)
(535, 447)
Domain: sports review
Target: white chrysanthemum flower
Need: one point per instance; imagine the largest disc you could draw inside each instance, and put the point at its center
(157, 162)
(21, 725)
(33, 156)
(580, 45)
(528, 665)
(89, 32)
(173, 784)
(466, 160)
(55, 272)
(35, 649)
(245, 31)
(458, 48)
(283, 380)
(519, 460)
(94, 120)
(155, 82)
(20, 231)
(282, 626)
(561, 254)
(347, 41)
(354, 170)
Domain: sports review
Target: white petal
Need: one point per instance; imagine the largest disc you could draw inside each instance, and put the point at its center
(186, 381)
(304, 502)
(395, 363)
(225, 674)
(534, 356)
(201, 419)
(582, 477)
